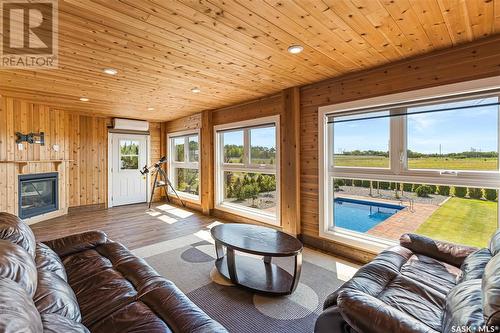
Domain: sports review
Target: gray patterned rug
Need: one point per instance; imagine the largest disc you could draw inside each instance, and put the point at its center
(189, 262)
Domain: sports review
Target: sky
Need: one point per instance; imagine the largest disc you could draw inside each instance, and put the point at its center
(456, 131)
(264, 137)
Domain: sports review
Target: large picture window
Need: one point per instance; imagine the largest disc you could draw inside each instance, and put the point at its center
(183, 167)
(247, 176)
(428, 167)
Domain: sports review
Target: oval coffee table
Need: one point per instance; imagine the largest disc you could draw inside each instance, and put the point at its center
(259, 275)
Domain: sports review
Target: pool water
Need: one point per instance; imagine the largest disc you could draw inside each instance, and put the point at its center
(361, 216)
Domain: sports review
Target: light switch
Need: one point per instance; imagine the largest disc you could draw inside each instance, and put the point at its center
(20, 146)
(55, 147)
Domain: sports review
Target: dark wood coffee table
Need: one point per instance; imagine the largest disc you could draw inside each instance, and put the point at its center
(250, 272)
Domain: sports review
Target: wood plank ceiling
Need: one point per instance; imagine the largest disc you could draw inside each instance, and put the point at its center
(233, 50)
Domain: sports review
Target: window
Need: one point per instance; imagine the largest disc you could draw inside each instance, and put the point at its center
(129, 155)
(247, 159)
(183, 165)
(361, 141)
(427, 167)
(457, 139)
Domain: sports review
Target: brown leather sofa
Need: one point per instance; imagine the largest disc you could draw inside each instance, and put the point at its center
(83, 283)
(423, 285)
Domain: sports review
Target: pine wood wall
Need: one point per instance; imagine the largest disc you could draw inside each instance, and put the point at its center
(286, 106)
(83, 149)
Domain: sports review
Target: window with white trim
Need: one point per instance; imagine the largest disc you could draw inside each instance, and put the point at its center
(247, 169)
(428, 167)
(183, 167)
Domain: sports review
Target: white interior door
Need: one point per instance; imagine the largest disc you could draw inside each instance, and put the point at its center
(128, 154)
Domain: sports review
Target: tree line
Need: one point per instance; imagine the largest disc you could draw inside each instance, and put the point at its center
(413, 154)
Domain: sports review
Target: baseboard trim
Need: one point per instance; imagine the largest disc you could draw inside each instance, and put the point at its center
(86, 208)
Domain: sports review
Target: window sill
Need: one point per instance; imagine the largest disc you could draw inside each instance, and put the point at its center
(187, 197)
(354, 239)
(249, 213)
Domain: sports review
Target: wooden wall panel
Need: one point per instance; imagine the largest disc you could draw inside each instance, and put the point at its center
(156, 153)
(83, 150)
(473, 61)
(263, 107)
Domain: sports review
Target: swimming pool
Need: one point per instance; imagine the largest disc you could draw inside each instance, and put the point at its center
(360, 215)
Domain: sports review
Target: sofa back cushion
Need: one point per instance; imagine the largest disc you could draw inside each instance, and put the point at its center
(463, 306)
(474, 265)
(17, 232)
(495, 243)
(17, 265)
(48, 261)
(491, 292)
(17, 311)
(54, 295)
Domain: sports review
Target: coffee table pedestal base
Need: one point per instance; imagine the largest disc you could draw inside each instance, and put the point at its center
(259, 275)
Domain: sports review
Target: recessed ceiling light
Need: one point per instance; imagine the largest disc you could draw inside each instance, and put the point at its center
(110, 71)
(84, 99)
(195, 90)
(295, 49)
(151, 109)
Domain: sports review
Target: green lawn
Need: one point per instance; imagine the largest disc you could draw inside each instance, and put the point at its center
(463, 221)
(420, 163)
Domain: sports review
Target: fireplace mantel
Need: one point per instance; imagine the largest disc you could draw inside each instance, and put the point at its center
(22, 163)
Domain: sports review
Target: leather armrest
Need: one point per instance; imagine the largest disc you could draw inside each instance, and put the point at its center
(178, 311)
(453, 254)
(366, 313)
(76, 243)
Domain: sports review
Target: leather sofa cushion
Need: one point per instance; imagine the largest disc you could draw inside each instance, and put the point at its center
(474, 265)
(17, 265)
(48, 261)
(54, 295)
(374, 276)
(366, 313)
(178, 311)
(495, 243)
(143, 319)
(108, 285)
(491, 292)
(415, 299)
(17, 311)
(463, 306)
(433, 274)
(77, 243)
(54, 323)
(450, 253)
(17, 232)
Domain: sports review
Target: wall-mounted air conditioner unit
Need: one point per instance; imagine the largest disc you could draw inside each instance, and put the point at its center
(130, 125)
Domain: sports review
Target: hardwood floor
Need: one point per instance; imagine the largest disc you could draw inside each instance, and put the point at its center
(134, 226)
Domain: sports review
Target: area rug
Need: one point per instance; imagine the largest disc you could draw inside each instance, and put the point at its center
(189, 262)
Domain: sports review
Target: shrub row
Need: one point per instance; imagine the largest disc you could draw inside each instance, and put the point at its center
(423, 190)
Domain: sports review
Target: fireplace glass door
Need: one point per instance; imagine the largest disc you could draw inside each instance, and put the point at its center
(37, 194)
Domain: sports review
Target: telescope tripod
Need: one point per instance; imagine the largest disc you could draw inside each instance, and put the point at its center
(163, 182)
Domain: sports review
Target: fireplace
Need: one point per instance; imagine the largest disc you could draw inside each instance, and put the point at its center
(38, 194)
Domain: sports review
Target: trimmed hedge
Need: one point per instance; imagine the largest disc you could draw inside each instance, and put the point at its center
(407, 187)
(443, 190)
(460, 192)
(475, 193)
(423, 191)
(490, 194)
